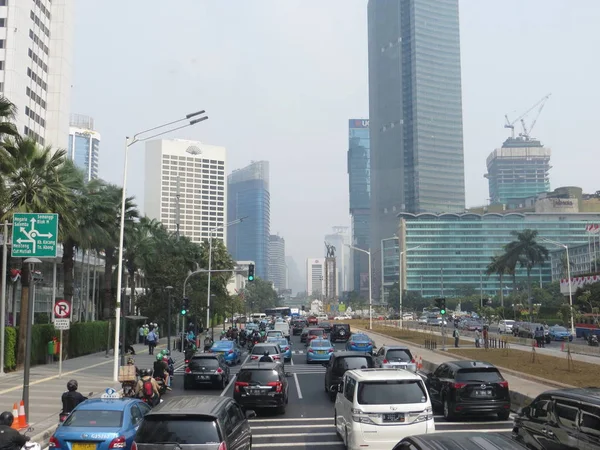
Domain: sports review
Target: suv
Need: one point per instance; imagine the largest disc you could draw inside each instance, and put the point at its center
(298, 326)
(274, 352)
(469, 387)
(340, 363)
(340, 332)
(195, 421)
(376, 408)
(261, 385)
(395, 357)
(207, 368)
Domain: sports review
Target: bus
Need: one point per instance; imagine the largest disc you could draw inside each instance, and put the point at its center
(278, 312)
(586, 325)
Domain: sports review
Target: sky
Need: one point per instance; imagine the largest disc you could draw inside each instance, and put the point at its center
(280, 79)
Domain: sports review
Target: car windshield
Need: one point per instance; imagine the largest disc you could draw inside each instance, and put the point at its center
(258, 376)
(398, 355)
(321, 343)
(560, 329)
(199, 363)
(259, 350)
(486, 374)
(95, 419)
(391, 392)
(357, 362)
(181, 429)
(361, 338)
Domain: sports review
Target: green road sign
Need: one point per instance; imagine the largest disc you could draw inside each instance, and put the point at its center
(34, 235)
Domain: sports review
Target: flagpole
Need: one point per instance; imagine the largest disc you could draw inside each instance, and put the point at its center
(588, 229)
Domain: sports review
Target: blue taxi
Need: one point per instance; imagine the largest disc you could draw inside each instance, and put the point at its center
(231, 351)
(286, 347)
(319, 350)
(359, 343)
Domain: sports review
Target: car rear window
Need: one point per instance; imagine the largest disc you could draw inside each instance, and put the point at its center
(320, 343)
(95, 419)
(398, 355)
(391, 392)
(357, 362)
(488, 374)
(360, 338)
(272, 349)
(316, 332)
(261, 376)
(193, 430)
(198, 363)
(223, 344)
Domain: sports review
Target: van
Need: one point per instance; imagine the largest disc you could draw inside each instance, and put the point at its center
(284, 327)
(376, 408)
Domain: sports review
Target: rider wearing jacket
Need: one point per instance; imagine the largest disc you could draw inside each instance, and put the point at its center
(266, 358)
(139, 389)
(10, 439)
(71, 398)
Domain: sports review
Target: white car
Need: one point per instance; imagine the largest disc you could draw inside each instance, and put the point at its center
(376, 408)
(505, 326)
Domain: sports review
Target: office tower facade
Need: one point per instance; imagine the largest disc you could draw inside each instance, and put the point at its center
(359, 183)
(315, 277)
(84, 145)
(415, 113)
(249, 198)
(277, 265)
(185, 188)
(36, 41)
(339, 238)
(518, 170)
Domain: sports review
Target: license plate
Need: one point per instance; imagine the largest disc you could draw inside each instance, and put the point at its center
(199, 377)
(393, 417)
(361, 345)
(480, 393)
(83, 446)
(254, 391)
(321, 352)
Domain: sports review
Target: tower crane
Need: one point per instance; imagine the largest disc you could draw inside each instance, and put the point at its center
(526, 130)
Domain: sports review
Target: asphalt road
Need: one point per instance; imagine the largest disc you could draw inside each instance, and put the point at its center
(308, 420)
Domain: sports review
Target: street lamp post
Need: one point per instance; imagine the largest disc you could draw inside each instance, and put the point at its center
(401, 315)
(566, 247)
(28, 337)
(368, 253)
(169, 317)
(128, 143)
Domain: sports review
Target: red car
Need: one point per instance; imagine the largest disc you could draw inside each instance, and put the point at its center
(312, 320)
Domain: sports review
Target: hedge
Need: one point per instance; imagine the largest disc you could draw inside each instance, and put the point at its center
(10, 348)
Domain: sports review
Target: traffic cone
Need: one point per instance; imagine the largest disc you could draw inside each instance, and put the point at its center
(420, 363)
(15, 412)
(22, 417)
(562, 347)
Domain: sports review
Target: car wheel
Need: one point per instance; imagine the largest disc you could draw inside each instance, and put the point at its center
(448, 413)
(504, 415)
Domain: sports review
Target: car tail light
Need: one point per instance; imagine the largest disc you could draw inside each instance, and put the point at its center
(53, 443)
(254, 357)
(239, 384)
(458, 385)
(276, 357)
(352, 343)
(277, 384)
(504, 384)
(223, 446)
(230, 352)
(119, 442)
(187, 361)
(413, 360)
(310, 350)
(188, 370)
(133, 446)
(330, 350)
(385, 361)
(219, 370)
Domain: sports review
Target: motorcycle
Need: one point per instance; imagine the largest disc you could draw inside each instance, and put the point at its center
(128, 388)
(30, 445)
(62, 416)
(593, 340)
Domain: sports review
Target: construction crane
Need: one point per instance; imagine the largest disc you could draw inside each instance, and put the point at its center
(526, 134)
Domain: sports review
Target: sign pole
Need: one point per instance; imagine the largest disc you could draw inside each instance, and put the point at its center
(3, 295)
(60, 345)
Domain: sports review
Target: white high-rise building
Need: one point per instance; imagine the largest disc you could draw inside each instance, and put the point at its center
(196, 173)
(84, 145)
(277, 266)
(36, 46)
(315, 276)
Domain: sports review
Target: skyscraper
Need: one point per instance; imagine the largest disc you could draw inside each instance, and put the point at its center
(415, 109)
(84, 145)
(249, 198)
(191, 174)
(36, 66)
(315, 276)
(359, 183)
(277, 265)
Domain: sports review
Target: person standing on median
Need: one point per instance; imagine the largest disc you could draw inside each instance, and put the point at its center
(152, 340)
(141, 335)
(456, 336)
(477, 338)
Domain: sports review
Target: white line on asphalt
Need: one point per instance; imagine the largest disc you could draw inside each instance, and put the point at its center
(305, 419)
(496, 422)
(298, 444)
(288, 435)
(280, 427)
(471, 430)
(233, 379)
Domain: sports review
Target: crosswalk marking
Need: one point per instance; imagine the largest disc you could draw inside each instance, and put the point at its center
(280, 427)
(300, 419)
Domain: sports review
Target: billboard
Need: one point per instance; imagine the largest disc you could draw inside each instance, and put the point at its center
(358, 123)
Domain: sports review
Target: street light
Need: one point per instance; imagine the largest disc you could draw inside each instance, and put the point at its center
(368, 253)
(568, 277)
(28, 337)
(128, 143)
(400, 279)
(169, 318)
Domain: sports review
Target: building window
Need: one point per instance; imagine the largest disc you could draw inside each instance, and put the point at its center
(2, 2)
(1, 41)
(2, 22)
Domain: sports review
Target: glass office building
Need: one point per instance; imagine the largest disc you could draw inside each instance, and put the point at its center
(84, 145)
(455, 249)
(248, 197)
(359, 183)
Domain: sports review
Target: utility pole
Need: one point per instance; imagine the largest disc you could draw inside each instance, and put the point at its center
(178, 207)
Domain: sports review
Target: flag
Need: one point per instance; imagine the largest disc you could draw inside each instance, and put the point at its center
(592, 228)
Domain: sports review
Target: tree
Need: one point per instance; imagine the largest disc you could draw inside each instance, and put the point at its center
(260, 295)
(498, 266)
(8, 112)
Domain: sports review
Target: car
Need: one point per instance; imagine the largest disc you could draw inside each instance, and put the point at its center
(314, 333)
(340, 363)
(206, 369)
(297, 326)
(231, 351)
(284, 345)
(360, 342)
(340, 332)
(303, 334)
(375, 408)
(273, 350)
(505, 326)
(250, 327)
(261, 385)
(558, 333)
(196, 422)
(395, 357)
(319, 350)
(461, 440)
(468, 387)
(326, 326)
(274, 334)
(100, 424)
(312, 320)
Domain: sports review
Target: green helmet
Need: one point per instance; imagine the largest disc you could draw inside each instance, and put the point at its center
(159, 357)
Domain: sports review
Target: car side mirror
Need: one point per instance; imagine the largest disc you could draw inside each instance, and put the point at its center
(526, 411)
(91, 394)
(335, 388)
(250, 414)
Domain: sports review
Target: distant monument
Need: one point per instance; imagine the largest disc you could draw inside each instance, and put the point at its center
(330, 276)
(330, 250)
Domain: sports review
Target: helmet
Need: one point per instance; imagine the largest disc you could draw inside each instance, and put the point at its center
(159, 357)
(72, 385)
(266, 353)
(6, 418)
(166, 352)
(130, 361)
(146, 372)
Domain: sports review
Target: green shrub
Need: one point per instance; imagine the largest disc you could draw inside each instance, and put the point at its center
(87, 337)
(10, 348)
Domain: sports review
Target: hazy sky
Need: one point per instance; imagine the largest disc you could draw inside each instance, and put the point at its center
(280, 79)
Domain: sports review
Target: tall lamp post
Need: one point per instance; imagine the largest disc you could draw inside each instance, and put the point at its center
(169, 317)
(139, 137)
(400, 280)
(28, 337)
(368, 253)
(566, 247)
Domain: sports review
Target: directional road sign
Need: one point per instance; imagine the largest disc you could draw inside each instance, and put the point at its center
(62, 324)
(34, 235)
(62, 309)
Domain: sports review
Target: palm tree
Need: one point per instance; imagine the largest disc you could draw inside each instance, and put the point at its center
(8, 113)
(41, 181)
(528, 253)
(497, 266)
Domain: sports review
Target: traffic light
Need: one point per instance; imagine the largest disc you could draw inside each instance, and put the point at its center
(185, 305)
(441, 304)
(303, 308)
(250, 272)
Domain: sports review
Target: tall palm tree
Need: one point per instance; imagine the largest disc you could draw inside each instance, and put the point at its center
(497, 266)
(8, 113)
(40, 181)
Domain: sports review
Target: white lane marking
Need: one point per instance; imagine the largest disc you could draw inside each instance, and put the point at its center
(298, 386)
(300, 444)
(280, 427)
(473, 430)
(291, 435)
(299, 419)
(233, 379)
(451, 424)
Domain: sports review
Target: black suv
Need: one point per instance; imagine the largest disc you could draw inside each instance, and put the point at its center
(198, 421)
(469, 387)
(261, 385)
(206, 369)
(340, 332)
(564, 418)
(298, 326)
(340, 362)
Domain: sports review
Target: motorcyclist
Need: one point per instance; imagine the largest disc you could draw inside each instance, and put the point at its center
(10, 439)
(256, 337)
(161, 370)
(71, 398)
(265, 358)
(208, 343)
(147, 388)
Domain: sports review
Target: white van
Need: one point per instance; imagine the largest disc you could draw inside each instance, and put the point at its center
(376, 408)
(284, 327)
(505, 326)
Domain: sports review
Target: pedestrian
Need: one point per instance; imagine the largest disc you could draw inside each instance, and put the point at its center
(146, 331)
(456, 336)
(141, 335)
(152, 341)
(477, 339)
(485, 336)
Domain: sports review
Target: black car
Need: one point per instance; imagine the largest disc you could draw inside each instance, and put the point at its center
(206, 369)
(196, 421)
(469, 388)
(340, 362)
(563, 418)
(261, 385)
(326, 326)
(452, 441)
(340, 332)
(298, 326)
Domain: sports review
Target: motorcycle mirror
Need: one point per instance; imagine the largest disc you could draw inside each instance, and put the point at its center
(91, 394)
(30, 429)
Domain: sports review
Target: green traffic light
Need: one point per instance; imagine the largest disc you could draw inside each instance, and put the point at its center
(443, 312)
(250, 278)
(183, 312)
